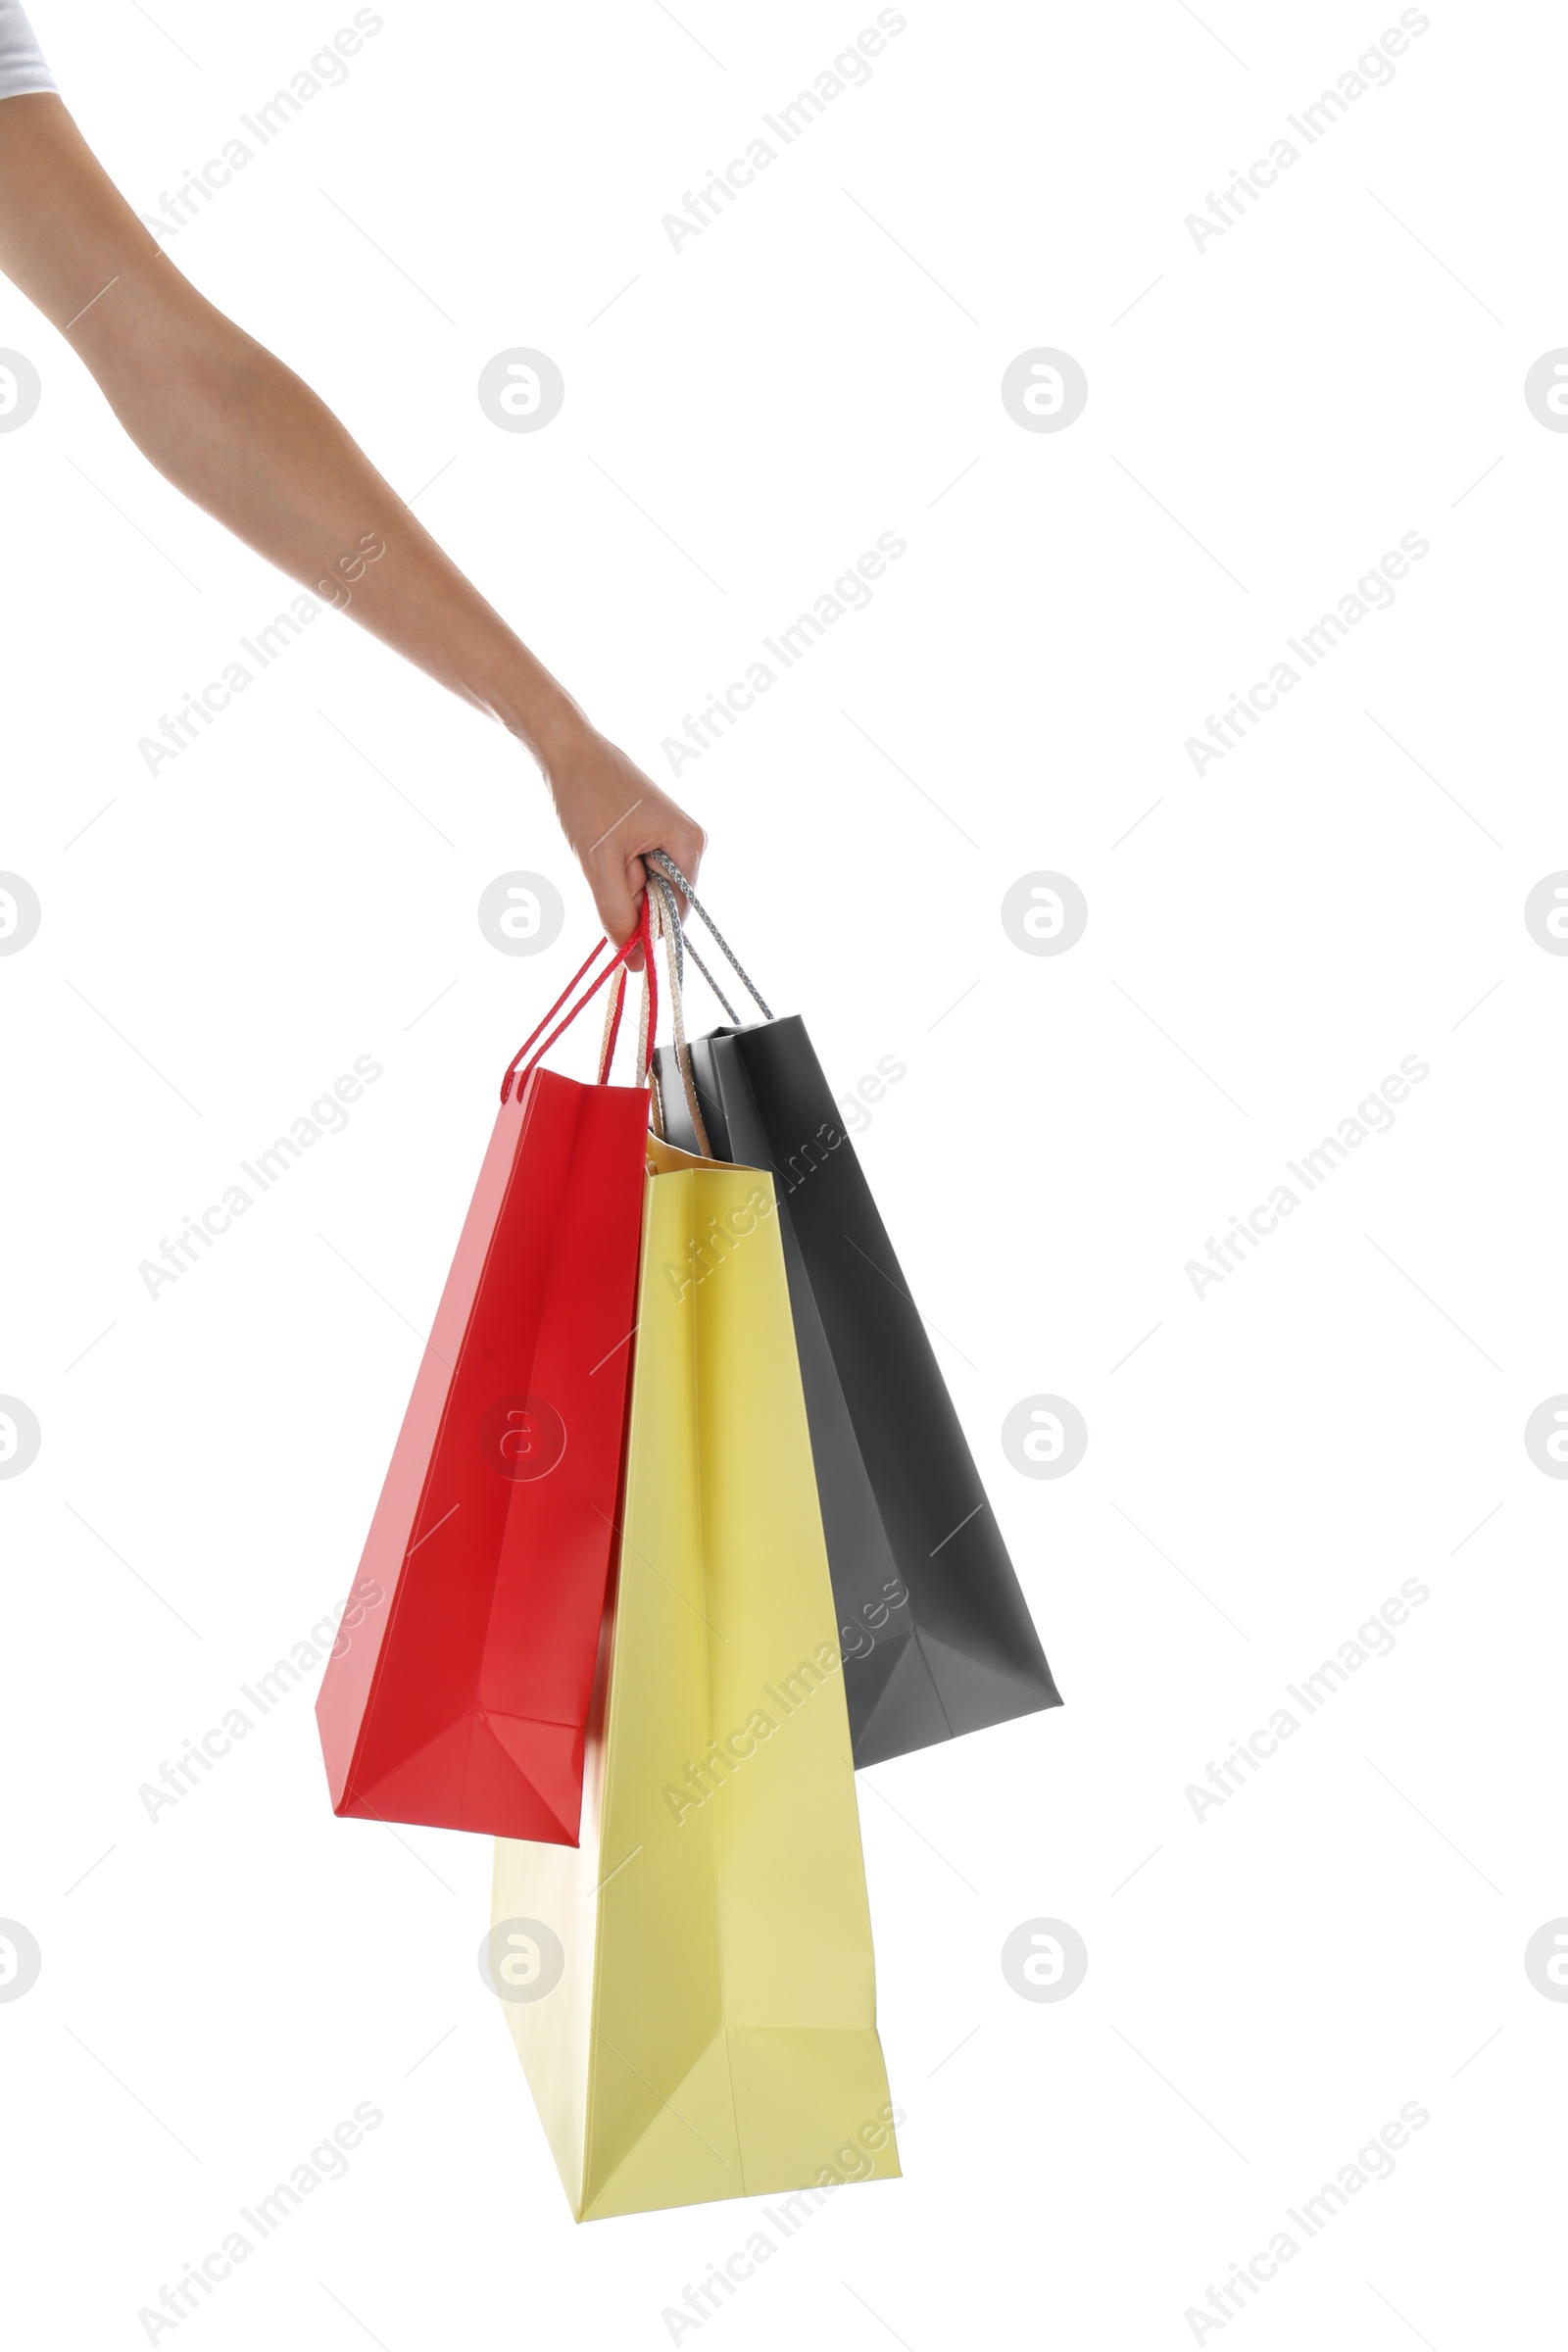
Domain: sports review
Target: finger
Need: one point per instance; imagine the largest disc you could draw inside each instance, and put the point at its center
(689, 856)
(683, 846)
(637, 872)
(617, 900)
(636, 890)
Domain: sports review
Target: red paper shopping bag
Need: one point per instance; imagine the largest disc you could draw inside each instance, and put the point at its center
(457, 1692)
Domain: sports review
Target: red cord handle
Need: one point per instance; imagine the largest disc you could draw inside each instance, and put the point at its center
(642, 936)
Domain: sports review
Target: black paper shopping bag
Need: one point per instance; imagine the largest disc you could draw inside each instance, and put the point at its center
(936, 1635)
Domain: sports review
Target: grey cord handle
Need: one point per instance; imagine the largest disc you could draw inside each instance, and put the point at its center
(712, 983)
(666, 900)
(668, 867)
(666, 897)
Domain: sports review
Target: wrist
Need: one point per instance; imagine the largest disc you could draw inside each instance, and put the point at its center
(539, 711)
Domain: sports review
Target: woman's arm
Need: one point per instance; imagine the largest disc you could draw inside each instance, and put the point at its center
(238, 432)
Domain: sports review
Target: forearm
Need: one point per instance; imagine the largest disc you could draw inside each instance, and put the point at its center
(239, 433)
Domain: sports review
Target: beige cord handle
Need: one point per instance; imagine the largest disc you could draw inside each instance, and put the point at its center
(614, 999)
(667, 923)
(664, 924)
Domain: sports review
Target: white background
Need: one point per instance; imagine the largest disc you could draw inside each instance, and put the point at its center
(1342, 366)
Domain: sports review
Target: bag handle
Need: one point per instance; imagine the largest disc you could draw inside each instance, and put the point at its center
(671, 871)
(614, 1003)
(666, 925)
(642, 935)
(667, 922)
(657, 918)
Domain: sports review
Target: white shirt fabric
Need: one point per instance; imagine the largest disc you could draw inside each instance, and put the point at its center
(21, 66)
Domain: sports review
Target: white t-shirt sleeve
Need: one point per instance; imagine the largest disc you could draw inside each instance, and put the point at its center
(21, 66)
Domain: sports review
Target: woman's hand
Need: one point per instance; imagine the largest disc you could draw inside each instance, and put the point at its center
(610, 812)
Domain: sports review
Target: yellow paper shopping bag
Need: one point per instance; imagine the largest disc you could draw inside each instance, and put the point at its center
(692, 1990)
